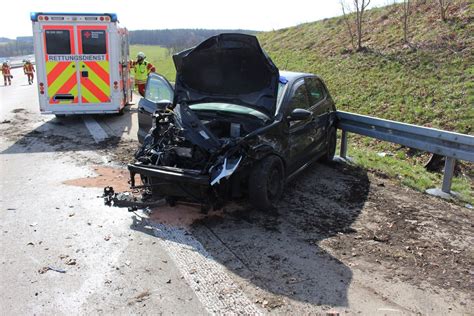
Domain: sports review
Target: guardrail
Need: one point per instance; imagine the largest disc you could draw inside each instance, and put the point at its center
(453, 146)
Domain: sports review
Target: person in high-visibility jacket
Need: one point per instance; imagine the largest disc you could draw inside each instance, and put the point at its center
(29, 70)
(7, 77)
(142, 69)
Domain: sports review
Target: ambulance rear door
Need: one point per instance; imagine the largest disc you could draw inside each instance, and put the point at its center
(94, 64)
(60, 65)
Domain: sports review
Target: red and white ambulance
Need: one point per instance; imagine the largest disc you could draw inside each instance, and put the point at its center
(81, 63)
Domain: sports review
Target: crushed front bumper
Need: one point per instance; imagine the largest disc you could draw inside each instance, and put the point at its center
(167, 174)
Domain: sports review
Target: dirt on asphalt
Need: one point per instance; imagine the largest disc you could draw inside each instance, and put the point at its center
(359, 218)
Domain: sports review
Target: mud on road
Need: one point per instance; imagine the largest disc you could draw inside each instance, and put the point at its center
(333, 221)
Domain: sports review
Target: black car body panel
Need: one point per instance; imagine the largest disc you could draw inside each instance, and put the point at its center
(207, 156)
(228, 68)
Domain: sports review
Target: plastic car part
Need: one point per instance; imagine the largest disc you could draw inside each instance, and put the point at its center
(226, 170)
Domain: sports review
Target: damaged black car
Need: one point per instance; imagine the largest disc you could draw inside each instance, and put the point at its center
(233, 127)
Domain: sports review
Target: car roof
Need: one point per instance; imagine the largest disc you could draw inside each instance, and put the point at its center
(293, 76)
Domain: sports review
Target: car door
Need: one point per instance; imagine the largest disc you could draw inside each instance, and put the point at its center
(157, 89)
(300, 132)
(320, 106)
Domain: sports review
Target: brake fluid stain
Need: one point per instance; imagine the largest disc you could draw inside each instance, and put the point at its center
(106, 176)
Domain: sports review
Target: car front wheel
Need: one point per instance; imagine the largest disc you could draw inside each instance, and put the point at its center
(266, 183)
(331, 145)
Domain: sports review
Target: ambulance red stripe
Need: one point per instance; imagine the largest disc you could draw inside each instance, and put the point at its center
(56, 71)
(70, 83)
(95, 91)
(99, 71)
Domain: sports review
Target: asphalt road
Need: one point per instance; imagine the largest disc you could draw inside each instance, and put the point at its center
(64, 252)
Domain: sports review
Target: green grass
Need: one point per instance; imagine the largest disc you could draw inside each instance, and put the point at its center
(429, 82)
(159, 57)
(407, 171)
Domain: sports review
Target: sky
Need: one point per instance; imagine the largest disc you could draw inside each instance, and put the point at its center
(259, 15)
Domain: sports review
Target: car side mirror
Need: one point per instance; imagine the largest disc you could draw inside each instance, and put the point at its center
(299, 115)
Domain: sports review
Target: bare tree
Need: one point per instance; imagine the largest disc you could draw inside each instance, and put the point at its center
(348, 25)
(405, 18)
(443, 8)
(358, 6)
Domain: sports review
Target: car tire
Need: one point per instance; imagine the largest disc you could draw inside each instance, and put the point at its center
(266, 182)
(331, 145)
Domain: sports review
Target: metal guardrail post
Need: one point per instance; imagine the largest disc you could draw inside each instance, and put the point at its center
(448, 174)
(343, 153)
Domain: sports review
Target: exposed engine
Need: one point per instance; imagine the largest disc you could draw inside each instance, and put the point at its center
(180, 139)
(166, 145)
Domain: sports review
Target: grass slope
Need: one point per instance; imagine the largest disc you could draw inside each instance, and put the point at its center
(428, 82)
(158, 56)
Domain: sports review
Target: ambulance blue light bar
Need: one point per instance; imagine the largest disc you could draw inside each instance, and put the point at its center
(35, 15)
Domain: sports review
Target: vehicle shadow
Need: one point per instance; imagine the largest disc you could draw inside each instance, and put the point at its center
(64, 134)
(282, 252)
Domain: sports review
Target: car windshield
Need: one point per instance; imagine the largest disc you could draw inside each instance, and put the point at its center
(238, 109)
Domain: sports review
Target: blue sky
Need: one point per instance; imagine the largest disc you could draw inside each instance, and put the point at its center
(135, 14)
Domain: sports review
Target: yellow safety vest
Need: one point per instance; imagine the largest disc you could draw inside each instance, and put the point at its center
(141, 72)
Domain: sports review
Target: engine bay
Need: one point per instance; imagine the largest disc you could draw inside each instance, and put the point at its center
(182, 138)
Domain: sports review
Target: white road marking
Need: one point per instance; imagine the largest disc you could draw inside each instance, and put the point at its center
(96, 131)
(216, 291)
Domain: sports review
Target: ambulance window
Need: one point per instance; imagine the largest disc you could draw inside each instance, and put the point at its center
(58, 42)
(93, 42)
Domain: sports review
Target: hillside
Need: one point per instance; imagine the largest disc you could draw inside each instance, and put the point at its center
(428, 82)
(177, 39)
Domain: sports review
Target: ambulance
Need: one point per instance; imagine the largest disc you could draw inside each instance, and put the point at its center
(81, 63)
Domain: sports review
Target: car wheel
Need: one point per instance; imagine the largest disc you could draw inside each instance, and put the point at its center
(266, 183)
(331, 145)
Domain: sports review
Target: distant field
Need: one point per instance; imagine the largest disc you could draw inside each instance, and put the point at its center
(158, 56)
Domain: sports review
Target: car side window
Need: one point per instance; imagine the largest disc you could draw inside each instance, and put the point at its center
(158, 90)
(299, 100)
(316, 90)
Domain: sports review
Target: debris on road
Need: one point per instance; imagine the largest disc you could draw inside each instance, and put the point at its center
(71, 262)
(107, 238)
(270, 303)
(47, 268)
(5, 122)
(140, 297)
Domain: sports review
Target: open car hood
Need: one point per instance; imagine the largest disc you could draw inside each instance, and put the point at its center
(227, 68)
